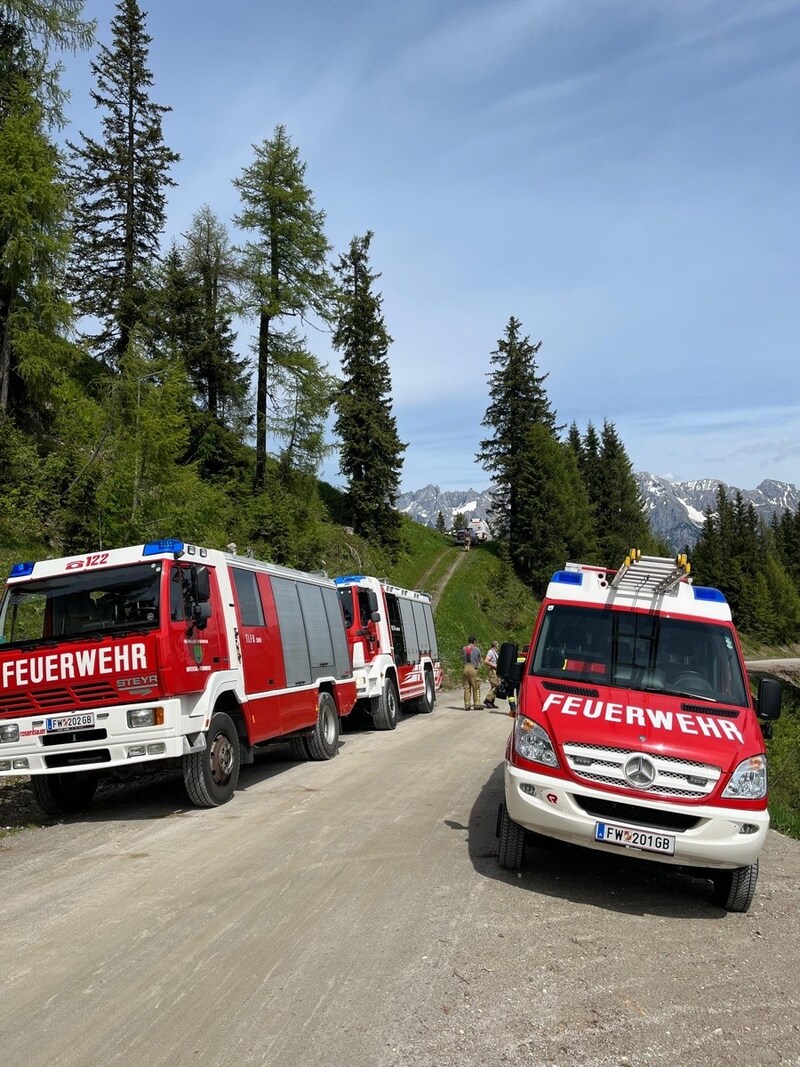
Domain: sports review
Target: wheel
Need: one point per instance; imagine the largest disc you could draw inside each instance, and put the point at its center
(428, 698)
(324, 741)
(693, 683)
(210, 776)
(387, 711)
(733, 890)
(64, 794)
(298, 748)
(512, 842)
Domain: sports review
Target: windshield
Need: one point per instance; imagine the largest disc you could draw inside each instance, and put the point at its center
(640, 651)
(88, 602)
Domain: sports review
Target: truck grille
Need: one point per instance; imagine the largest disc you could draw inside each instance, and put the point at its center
(65, 698)
(675, 778)
(659, 820)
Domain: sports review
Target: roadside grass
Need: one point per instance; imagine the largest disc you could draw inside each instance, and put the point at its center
(483, 598)
(783, 750)
(421, 547)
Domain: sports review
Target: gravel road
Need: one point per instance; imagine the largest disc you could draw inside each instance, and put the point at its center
(352, 913)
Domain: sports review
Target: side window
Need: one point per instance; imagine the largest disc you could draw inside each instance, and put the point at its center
(251, 610)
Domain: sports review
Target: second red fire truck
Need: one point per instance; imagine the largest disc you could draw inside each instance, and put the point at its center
(393, 641)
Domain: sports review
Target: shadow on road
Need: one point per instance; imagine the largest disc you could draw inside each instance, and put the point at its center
(614, 883)
(154, 792)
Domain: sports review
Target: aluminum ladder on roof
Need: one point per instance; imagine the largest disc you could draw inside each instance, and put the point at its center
(650, 574)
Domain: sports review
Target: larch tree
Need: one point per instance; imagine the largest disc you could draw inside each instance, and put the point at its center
(39, 28)
(285, 276)
(371, 452)
(120, 187)
(219, 375)
(34, 237)
(518, 402)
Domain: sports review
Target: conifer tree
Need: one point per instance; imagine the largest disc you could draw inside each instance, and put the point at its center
(219, 375)
(440, 526)
(620, 520)
(371, 452)
(38, 28)
(518, 402)
(34, 240)
(284, 268)
(120, 184)
(553, 510)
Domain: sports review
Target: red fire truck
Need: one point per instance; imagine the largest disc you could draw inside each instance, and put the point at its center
(165, 650)
(635, 731)
(393, 644)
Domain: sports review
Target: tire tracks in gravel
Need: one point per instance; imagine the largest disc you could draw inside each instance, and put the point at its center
(441, 585)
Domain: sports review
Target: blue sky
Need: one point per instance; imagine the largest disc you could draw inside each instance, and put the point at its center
(620, 175)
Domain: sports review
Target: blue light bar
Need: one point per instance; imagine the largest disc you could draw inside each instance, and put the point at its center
(568, 577)
(21, 570)
(348, 578)
(705, 592)
(167, 544)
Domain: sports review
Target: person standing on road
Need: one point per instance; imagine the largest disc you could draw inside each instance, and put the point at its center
(494, 680)
(471, 658)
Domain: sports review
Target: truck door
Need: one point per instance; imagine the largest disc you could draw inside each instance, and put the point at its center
(199, 643)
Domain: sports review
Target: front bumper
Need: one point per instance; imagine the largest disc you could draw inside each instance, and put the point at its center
(111, 744)
(549, 806)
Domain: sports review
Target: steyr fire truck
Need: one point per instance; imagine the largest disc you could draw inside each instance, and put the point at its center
(110, 660)
(636, 731)
(393, 645)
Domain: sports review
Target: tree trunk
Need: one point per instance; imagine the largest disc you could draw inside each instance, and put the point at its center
(261, 403)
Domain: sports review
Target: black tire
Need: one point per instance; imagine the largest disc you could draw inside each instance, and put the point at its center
(298, 748)
(64, 794)
(428, 699)
(324, 741)
(512, 842)
(387, 711)
(210, 776)
(733, 890)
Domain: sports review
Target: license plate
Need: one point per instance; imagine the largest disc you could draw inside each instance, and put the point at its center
(626, 837)
(61, 723)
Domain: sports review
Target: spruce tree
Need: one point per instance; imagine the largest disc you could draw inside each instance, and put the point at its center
(621, 523)
(371, 452)
(518, 401)
(119, 184)
(440, 526)
(553, 510)
(284, 269)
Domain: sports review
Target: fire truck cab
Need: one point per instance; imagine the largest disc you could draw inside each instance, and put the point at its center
(636, 731)
(393, 645)
(163, 651)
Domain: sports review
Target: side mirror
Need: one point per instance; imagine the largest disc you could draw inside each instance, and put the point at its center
(202, 585)
(375, 616)
(507, 660)
(201, 613)
(372, 597)
(768, 704)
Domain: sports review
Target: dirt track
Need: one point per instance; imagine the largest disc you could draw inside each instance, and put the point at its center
(352, 913)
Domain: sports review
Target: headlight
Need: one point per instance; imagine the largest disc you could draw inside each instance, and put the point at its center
(533, 743)
(9, 731)
(749, 780)
(138, 717)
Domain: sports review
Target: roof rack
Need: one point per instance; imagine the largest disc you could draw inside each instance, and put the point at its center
(651, 574)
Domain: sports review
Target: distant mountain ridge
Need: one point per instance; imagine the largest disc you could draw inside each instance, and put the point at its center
(676, 510)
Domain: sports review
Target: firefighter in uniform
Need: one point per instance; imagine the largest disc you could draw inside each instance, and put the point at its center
(471, 658)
